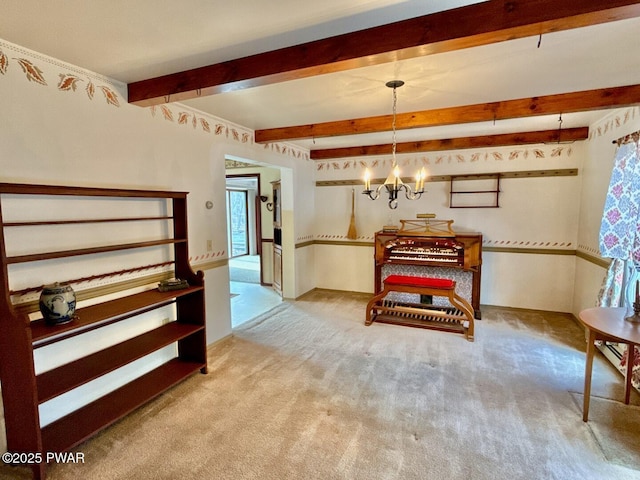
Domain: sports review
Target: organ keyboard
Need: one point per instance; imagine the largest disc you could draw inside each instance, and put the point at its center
(445, 254)
(436, 252)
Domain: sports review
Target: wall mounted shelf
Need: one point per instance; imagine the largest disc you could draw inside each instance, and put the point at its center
(486, 196)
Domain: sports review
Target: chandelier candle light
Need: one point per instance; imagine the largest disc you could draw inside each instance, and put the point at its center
(394, 183)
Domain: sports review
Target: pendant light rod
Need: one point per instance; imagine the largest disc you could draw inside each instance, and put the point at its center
(394, 84)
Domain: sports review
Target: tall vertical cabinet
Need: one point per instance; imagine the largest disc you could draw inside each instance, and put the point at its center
(21, 334)
(277, 237)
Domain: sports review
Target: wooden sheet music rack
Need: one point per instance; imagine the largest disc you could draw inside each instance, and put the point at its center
(426, 224)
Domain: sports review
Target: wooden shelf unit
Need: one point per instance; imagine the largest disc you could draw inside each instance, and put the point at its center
(23, 391)
(484, 197)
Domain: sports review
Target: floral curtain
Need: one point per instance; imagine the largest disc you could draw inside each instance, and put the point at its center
(620, 232)
(611, 290)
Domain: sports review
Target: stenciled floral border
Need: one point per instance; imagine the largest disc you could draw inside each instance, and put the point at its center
(67, 82)
(613, 123)
(74, 79)
(447, 158)
(182, 115)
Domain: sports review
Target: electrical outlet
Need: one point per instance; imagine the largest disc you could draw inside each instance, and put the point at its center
(209, 245)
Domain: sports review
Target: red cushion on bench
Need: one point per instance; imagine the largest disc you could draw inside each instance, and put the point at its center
(419, 281)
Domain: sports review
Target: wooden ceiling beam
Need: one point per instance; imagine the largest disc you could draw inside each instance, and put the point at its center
(465, 27)
(461, 143)
(587, 100)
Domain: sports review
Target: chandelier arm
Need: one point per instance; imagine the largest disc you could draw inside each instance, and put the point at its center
(373, 194)
(413, 195)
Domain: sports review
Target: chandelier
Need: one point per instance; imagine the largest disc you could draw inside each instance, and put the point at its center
(394, 184)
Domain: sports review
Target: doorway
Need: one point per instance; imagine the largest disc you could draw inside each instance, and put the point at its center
(250, 296)
(243, 221)
(238, 222)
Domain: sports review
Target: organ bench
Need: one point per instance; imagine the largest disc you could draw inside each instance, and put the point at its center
(457, 319)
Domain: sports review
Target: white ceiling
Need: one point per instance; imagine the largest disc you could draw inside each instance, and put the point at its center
(131, 41)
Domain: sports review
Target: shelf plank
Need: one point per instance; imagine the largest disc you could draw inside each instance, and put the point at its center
(113, 310)
(475, 206)
(82, 222)
(71, 430)
(87, 251)
(474, 191)
(71, 375)
(28, 189)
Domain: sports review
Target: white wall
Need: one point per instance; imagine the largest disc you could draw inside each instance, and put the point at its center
(535, 214)
(523, 280)
(305, 269)
(344, 267)
(304, 229)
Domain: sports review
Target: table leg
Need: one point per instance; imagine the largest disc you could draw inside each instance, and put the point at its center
(591, 348)
(627, 385)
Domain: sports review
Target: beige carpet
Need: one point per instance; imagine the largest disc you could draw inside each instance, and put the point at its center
(237, 274)
(616, 427)
(308, 392)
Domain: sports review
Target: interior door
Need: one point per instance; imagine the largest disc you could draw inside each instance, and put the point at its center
(238, 222)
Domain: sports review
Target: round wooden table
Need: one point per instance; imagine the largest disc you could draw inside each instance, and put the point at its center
(607, 324)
